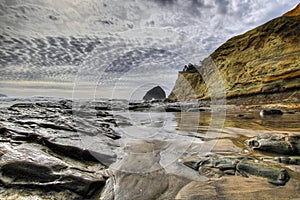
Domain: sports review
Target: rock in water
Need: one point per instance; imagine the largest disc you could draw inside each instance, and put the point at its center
(218, 166)
(270, 112)
(282, 144)
(155, 93)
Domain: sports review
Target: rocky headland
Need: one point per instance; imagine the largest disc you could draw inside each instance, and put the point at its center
(259, 66)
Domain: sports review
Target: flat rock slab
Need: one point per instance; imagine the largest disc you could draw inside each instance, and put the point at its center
(31, 166)
(46, 147)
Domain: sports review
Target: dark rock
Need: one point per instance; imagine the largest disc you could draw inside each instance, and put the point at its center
(290, 160)
(167, 100)
(275, 175)
(243, 116)
(217, 166)
(46, 148)
(29, 166)
(26, 171)
(288, 145)
(155, 93)
(190, 68)
(270, 112)
(78, 152)
(139, 106)
(173, 109)
(196, 110)
(23, 105)
(3, 95)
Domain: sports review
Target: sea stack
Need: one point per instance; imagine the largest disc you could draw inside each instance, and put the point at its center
(154, 94)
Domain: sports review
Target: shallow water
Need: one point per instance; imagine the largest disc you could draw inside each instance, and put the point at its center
(249, 121)
(173, 136)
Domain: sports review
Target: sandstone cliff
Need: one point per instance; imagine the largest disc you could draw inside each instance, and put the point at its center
(265, 60)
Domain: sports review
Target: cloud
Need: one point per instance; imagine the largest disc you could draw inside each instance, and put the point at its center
(57, 40)
(165, 2)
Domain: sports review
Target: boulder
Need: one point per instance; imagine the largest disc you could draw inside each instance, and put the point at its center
(282, 144)
(218, 166)
(270, 112)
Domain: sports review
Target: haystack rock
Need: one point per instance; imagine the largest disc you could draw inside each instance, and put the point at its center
(263, 62)
(155, 93)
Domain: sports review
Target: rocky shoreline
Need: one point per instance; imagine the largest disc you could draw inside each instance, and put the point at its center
(66, 150)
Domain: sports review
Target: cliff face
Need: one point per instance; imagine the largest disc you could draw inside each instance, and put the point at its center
(263, 60)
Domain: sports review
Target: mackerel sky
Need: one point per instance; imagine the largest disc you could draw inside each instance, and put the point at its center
(112, 48)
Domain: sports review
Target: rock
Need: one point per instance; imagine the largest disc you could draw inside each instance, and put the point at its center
(294, 12)
(275, 175)
(63, 133)
(282, 144)
(155, 93)
(28, 166)
(190, 68)
(139, 106)
(173, 108)
(3, 95)
(46, 148)
(290, 160)
(23, 105)
(264, 60)
(270, 112)
(218, 166)
(52, 148)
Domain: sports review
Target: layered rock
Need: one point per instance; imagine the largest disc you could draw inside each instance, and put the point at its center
(261, 61)
(44, 153)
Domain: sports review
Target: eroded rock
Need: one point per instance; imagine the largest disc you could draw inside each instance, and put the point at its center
(218, 166)
(44, 147)
(31, 166)
(289, 160)
(282, 144)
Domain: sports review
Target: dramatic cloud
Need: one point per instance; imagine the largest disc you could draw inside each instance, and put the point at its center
(101, 41)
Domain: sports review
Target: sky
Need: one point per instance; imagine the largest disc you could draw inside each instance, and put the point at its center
(112, 48)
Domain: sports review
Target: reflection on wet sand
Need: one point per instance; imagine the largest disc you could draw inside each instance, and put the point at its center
(250, 120)
(231, 142)
(141, 169)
